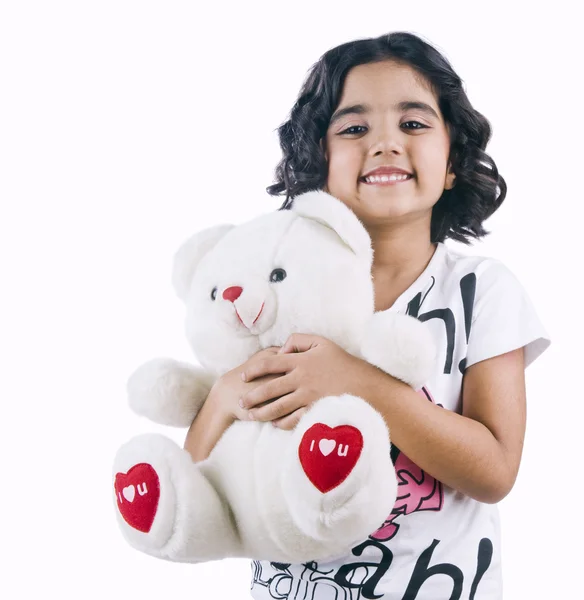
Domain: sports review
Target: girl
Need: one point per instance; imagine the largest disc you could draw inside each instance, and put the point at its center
(385, 126)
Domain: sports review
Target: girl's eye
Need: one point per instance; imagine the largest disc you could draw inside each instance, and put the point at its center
(214, 293)
(419, 125)
(412, 125)
(349, 132)
(277, 275)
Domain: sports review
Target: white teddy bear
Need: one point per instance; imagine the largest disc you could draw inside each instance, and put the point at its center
(265, 493)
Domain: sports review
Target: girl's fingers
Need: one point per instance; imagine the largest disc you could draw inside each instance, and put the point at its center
(269, 365)
(276, 409)
(265, 392)
(300, 342)
(290, 421)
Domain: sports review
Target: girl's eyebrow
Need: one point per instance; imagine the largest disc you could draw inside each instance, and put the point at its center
(362, 109)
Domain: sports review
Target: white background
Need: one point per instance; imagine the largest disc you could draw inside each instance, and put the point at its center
(125, 127)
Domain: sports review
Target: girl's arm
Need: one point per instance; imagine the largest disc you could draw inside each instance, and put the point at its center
(221, 408)
(209, 425)
(476, 453)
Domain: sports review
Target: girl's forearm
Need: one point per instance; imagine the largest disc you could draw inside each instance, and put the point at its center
(206, 430)
(458, 451)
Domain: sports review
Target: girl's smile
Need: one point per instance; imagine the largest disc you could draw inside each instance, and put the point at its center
(385, 176)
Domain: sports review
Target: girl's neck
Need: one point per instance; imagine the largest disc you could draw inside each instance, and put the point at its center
(399, 258)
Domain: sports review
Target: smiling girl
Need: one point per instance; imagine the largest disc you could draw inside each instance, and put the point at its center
(385, 126)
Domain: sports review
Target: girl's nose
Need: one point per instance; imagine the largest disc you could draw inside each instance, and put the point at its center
(387, 141)
(232, 293)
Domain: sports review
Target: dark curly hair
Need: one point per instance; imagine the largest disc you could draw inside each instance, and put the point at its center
(479, 190)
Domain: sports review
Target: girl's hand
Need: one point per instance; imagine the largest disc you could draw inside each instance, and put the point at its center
(314, 367)
(227, 391)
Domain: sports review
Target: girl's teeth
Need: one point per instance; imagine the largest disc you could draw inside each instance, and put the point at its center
(384, 178)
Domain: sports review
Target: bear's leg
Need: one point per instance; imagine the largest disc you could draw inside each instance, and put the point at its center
(337, 478)
(166, 507)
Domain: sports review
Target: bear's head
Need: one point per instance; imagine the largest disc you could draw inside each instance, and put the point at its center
(248, 287)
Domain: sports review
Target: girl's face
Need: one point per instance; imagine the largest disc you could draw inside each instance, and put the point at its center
(387, 117)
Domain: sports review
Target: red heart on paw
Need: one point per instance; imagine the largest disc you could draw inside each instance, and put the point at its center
(328, 454)
(137, 493)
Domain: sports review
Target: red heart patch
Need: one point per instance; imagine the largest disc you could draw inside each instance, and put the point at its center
(137, 493)
(328, 454)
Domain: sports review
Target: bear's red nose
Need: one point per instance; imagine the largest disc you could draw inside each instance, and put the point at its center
(232, 293)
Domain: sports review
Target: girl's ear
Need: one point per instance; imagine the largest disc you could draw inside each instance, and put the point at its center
(450, 179)
(322, 145)
(189, 255)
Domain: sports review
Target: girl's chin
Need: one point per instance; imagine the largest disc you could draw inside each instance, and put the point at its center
(400, 209)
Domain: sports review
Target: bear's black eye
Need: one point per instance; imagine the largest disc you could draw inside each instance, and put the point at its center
(214, 293)
(277, 275)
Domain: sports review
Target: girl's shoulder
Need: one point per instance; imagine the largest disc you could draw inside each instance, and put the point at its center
(457, 260)
(452, 271)
(452, 280)
(498, 311)
(482, 276)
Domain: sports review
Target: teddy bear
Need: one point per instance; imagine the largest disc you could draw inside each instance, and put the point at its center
(310, 493)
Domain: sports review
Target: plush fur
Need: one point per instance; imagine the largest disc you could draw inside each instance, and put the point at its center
(264, 493)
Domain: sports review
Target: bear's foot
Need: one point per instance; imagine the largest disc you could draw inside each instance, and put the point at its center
(338, 479)
(165, 506)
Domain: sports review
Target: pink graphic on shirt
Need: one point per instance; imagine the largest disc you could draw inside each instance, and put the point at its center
(416, 491)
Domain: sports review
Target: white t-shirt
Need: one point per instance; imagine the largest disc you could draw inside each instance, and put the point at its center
(437, 544)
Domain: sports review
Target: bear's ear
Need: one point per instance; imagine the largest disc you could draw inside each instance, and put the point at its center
(328, 210)
(190, 254)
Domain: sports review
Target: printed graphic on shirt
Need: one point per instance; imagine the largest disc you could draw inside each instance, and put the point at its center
(416, 491)
(468, 285)
(358, 580)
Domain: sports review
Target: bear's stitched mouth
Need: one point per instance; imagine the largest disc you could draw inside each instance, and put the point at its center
(255, 320)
